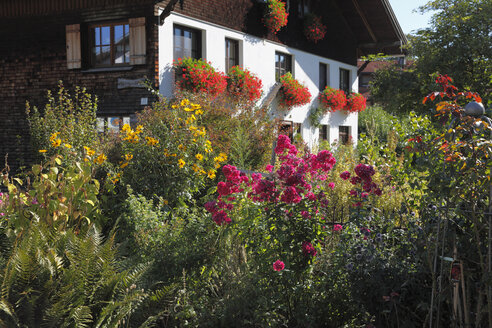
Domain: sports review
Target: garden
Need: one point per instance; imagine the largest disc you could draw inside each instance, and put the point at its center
(176, 223)
(201, 215)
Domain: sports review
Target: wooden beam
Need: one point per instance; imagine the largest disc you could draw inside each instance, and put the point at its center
(364, 19)
(380, 44)
(167, 11)
(362, 67)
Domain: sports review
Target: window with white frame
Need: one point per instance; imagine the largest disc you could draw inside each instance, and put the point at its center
(283, 64)
(345, 80)
(343, 134)
(187, 42)
(231, 54)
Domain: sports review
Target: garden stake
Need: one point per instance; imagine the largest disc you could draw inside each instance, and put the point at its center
(434, 269)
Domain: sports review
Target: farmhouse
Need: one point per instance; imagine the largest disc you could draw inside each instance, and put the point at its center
(110, 46)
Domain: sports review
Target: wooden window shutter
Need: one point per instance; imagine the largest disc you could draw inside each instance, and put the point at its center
(137, 41)
(74, 58)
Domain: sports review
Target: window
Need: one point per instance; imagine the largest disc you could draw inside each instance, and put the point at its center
(304, 7)
(110, 44)
(323, 132)
(107, 45)
(231, 54)
(344, 134)
(364, 80)
(187, 42)
(283, 64)
(112, 124)
(297, 128)
(286, 128)
(344, 80)
(323, 76)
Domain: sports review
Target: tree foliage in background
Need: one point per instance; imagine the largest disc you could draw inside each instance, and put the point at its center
(457, 43)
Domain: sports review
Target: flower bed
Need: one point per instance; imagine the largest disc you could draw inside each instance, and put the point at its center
(275, 15)
(314, 29)
(196, 75)
(355, 103)
(293, 93)
(333, 98)
(244, 84)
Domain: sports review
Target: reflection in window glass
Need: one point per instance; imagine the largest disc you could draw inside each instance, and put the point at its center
(111, 45)
(343, 134)
(283, 64)
(231, 53)
(187, 43)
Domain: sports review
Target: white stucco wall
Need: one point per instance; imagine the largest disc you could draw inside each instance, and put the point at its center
(258, 55)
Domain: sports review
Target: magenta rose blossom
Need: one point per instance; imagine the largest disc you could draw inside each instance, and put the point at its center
(278, 265)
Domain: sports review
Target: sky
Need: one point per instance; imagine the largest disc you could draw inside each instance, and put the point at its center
(410, 21)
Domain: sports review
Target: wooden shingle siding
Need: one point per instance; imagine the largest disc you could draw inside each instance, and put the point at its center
(17, 8)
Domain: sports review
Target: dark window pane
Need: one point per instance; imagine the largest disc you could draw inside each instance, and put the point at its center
(344, 134)
(344, 80)
(232, 53)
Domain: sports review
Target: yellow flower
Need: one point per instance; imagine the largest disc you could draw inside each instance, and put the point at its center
(124, 165)
(188, 109)
(68, 146)
(217, 165)
(128, 157)
(199, 157)
(139, 129)
(54, 135)
(42, 150)
(181, 163)
(196, 168)
(100, 159)
(211, 174)
(151, 141)
(126, 128)
(56, 143)
(165, 201)
(185, 102)
(89, 151)
(196, 106)
(199, 112)
(181, 147)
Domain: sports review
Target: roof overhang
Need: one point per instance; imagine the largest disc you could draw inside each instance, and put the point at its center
(374, 25)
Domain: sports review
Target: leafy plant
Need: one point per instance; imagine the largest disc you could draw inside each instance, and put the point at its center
(65, 279)
(73, 117)
(196, 75)
(275, 15)
(293, 93)
(334, 99)
(314, 29)
(244, 85)
(355, 103)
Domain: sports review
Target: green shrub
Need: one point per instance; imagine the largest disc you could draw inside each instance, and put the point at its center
(73, 117)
